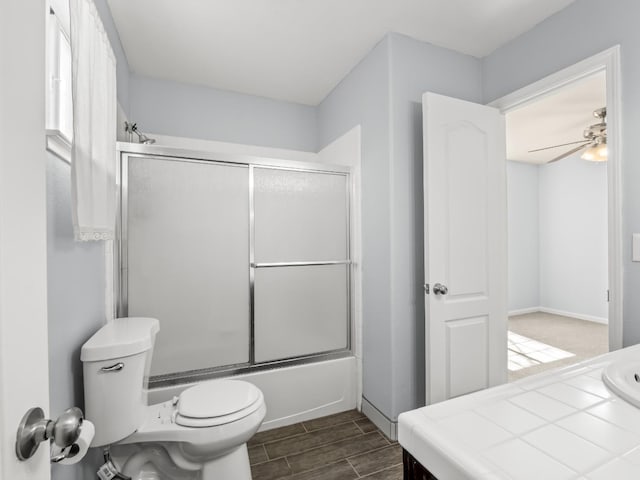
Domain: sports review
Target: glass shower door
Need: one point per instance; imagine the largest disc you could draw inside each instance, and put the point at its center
(301, 264)
(246, 265)
(187, 234)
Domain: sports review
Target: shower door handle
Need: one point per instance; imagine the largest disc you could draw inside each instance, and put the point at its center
(439, 289)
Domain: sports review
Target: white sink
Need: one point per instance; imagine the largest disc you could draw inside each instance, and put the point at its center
(623, 377)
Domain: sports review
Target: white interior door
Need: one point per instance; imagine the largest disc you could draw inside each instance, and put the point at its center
(24, 376)
(465, 246)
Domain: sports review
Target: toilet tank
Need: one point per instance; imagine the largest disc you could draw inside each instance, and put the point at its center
(116, 362)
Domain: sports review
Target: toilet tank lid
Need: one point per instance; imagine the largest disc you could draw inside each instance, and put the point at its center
(121, 337)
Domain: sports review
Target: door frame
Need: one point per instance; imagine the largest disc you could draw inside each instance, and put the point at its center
(609, 62)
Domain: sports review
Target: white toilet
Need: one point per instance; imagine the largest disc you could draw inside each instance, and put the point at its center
(200, 434)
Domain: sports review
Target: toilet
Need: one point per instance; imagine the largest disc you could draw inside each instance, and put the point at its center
(200, 434)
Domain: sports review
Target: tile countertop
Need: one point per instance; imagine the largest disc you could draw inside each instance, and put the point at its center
(563, 424)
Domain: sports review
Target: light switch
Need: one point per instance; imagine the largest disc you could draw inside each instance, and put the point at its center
(636, 247)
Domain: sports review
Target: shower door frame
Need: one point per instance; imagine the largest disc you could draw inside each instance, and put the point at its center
(125, 151)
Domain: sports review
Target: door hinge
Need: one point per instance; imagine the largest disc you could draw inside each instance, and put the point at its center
(426, 288)
(608, 296)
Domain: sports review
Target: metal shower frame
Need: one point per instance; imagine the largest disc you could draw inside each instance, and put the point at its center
(127, 151)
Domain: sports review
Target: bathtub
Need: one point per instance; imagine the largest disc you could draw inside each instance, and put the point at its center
(294, 394)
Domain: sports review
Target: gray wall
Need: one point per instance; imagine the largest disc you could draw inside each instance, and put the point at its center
(362, 98)
(172, 108)
(524, 235)
(76, 286)
(122, 68)
(383, 94)
(573, 237)
(558, 236)
(553, 45)
(415, 68)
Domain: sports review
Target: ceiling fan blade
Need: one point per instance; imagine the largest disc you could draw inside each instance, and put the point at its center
(561, 145)
(570, 152)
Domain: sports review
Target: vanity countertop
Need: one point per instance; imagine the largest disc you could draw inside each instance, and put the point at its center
(563, 424)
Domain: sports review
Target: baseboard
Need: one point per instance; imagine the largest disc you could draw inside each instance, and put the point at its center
(523, 311)
(579, 316)
(554, 311)
(380, 420)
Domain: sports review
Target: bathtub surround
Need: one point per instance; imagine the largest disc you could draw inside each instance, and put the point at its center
(347, 151)
(203, 145)
(294, 394)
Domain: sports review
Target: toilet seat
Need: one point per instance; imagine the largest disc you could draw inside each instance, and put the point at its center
(216, 402)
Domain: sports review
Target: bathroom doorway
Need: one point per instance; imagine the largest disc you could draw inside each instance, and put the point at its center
(558, 227)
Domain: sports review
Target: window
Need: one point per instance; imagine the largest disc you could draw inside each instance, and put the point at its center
(59, 105)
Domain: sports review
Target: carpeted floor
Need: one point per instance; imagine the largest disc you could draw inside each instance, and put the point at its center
(582, 338)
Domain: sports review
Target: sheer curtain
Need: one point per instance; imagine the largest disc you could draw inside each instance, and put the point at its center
(93, 156)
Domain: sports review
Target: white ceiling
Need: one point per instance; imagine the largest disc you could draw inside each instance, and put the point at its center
(555, 119)
(298, 50)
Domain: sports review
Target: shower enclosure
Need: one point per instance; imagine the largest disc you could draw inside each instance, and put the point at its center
(245, 261)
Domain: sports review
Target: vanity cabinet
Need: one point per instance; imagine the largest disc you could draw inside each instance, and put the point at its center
(413, 470)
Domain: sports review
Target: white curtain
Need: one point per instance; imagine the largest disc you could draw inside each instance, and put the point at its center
(93, 156)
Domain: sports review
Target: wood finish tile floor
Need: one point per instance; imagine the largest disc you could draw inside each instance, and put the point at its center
(344, 446)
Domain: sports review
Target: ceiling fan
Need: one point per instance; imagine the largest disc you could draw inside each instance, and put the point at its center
(594, 143)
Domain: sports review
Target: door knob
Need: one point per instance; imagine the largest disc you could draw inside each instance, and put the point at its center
(440, 289)
(34, 429)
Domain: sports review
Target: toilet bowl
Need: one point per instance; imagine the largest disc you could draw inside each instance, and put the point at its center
(200, 434)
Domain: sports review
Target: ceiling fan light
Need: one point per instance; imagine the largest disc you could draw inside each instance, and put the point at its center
(589, 154)
(602, 151)
(596, 153)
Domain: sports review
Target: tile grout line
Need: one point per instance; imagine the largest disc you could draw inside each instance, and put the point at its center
(286, 457)
(264, 444)
(321, 444)
(382, 470)
(354, 468)
(343, 458)
(358, 426)
(368, 452)
(352, 424)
